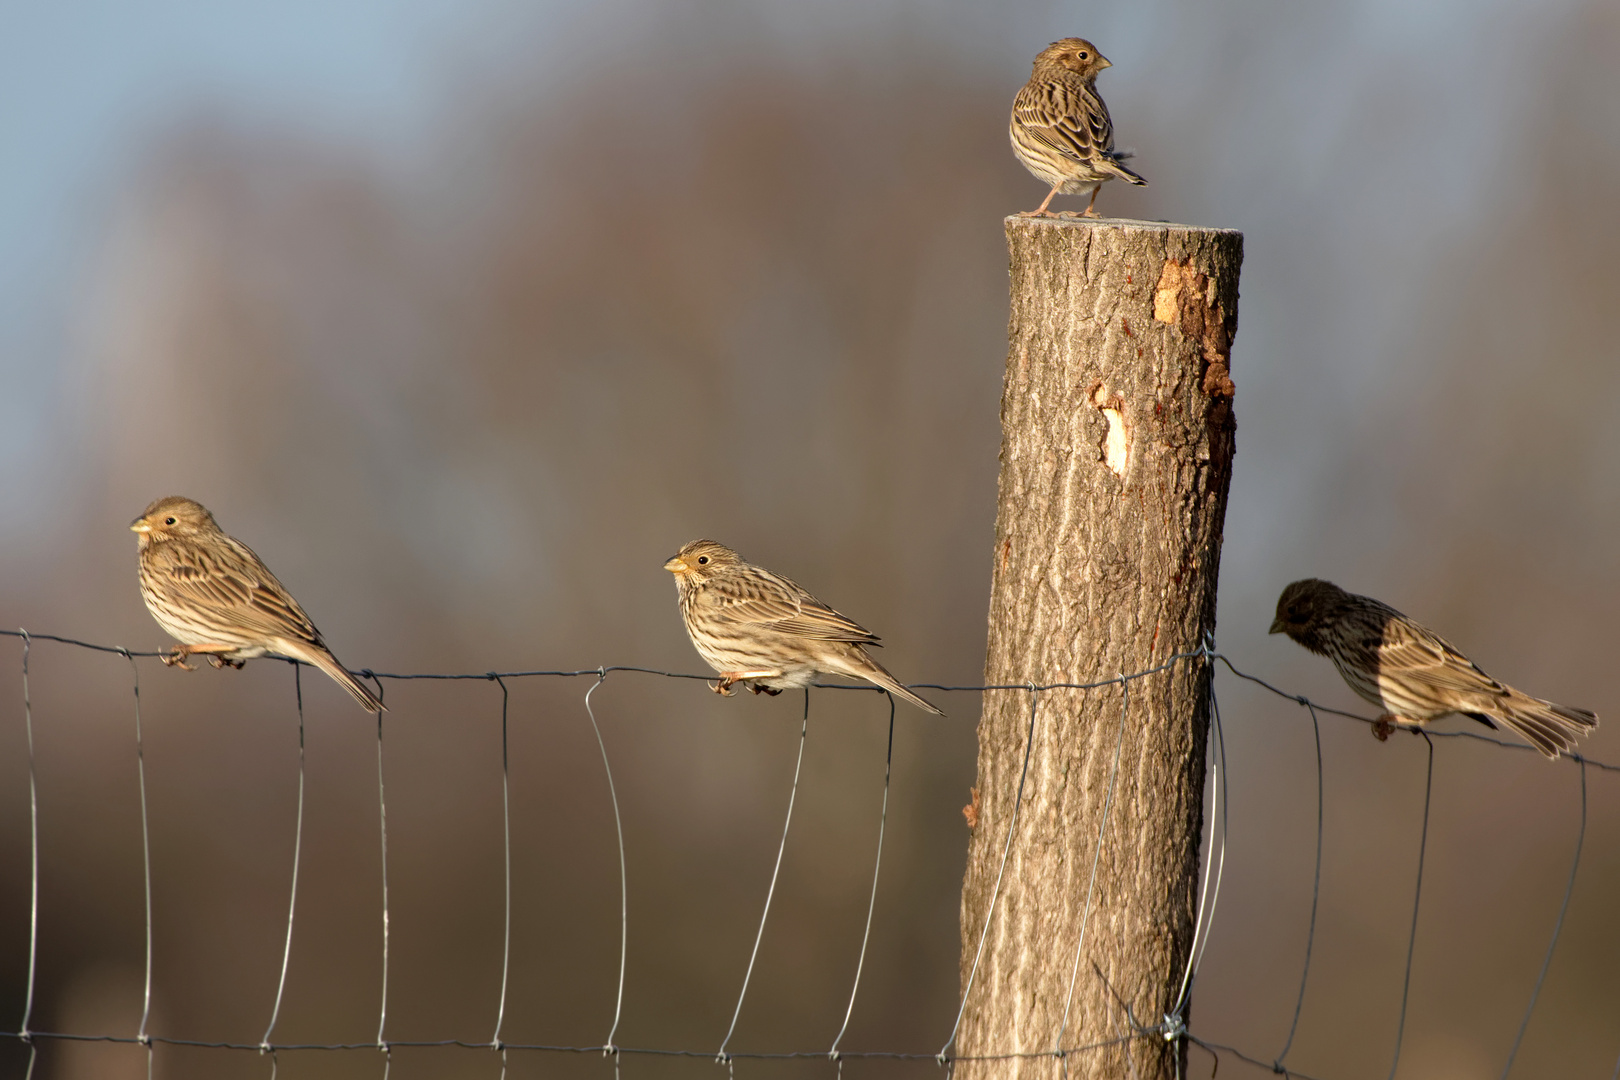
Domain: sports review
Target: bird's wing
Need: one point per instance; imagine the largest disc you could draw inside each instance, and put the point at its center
(759, 597)
(1423, 657)
(231, 580)
(1070, 119)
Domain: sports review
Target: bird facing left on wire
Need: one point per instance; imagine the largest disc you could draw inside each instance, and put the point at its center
(766, 632)
(1410, 672)
(214, 596)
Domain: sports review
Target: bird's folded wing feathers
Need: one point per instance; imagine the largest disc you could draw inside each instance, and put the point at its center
(1431, 661)
(776, 602)
(258, 603)
(1073, 123)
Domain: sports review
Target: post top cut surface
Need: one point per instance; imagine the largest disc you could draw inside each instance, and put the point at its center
(1123, 224)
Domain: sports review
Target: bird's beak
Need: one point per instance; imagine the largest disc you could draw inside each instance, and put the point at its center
(1103, 62)
(140, 525)
(1276, 626)
(676, 565)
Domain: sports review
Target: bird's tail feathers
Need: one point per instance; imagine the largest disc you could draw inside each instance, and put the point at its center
(1550, 727)
(875, 672)
(319, 657)
(1113, 162)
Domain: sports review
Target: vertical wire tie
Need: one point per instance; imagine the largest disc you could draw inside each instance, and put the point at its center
(1316, 891)
(609, 1047)
(146, 861)
(1417, 897)
(506, 836)
(1546, 962)
(871, 904)
(265, 1045)
(33, 855)
(382, 829)
(1174, 1025)
(721, 1055)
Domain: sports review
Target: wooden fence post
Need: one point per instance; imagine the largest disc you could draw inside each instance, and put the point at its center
(1116, 456)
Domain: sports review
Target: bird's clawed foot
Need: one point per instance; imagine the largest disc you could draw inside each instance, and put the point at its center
(1041, 210)
(728, 679)
(216, 656)
(760, 688)
(1384, 726)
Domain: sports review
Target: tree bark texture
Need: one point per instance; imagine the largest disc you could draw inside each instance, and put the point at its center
(1116, 456)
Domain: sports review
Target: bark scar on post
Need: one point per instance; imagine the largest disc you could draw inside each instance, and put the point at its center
(1185, 299)
(1116, 445)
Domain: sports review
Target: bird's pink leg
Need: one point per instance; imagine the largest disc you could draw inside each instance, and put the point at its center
(1041, 211)
(1088, 211)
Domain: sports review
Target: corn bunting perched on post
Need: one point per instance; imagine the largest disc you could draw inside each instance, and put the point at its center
(1060, 127)
(213, 595)
(1410, 672)
(760, 629)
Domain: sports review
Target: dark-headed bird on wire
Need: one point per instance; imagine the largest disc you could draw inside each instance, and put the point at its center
(1413, 674)
(216, 598)
(762, 630)
(1061, 129)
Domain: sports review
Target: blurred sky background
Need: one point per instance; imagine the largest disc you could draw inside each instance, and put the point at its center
(466, 315)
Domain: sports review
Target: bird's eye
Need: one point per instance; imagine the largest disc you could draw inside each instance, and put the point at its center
(1082, 55)
(168, 521)
(703, 560)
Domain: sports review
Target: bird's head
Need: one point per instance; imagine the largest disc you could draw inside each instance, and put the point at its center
(173, 517)
(1073, 54)
(1305, 607)
(698, 561)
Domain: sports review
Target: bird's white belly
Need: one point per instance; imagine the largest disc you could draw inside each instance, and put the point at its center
(1080, 187)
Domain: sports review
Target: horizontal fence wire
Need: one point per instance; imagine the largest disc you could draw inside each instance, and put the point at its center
(1168, 1028)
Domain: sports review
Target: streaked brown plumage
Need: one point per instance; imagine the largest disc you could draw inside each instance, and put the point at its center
(762, 630)
(1061, 129)
(213, 595)
(1410, 672)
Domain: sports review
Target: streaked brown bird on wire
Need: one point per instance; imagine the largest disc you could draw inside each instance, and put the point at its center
(1410, 672)
(214, 596)
(1061, 129)
(762, 630)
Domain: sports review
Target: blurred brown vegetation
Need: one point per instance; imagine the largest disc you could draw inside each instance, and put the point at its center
(758, 294)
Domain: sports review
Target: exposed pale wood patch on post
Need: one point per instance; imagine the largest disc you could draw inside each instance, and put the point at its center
(1117, 443)
(1185, 298)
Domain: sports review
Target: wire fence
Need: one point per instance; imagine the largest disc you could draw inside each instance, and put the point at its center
(1170, 1027)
